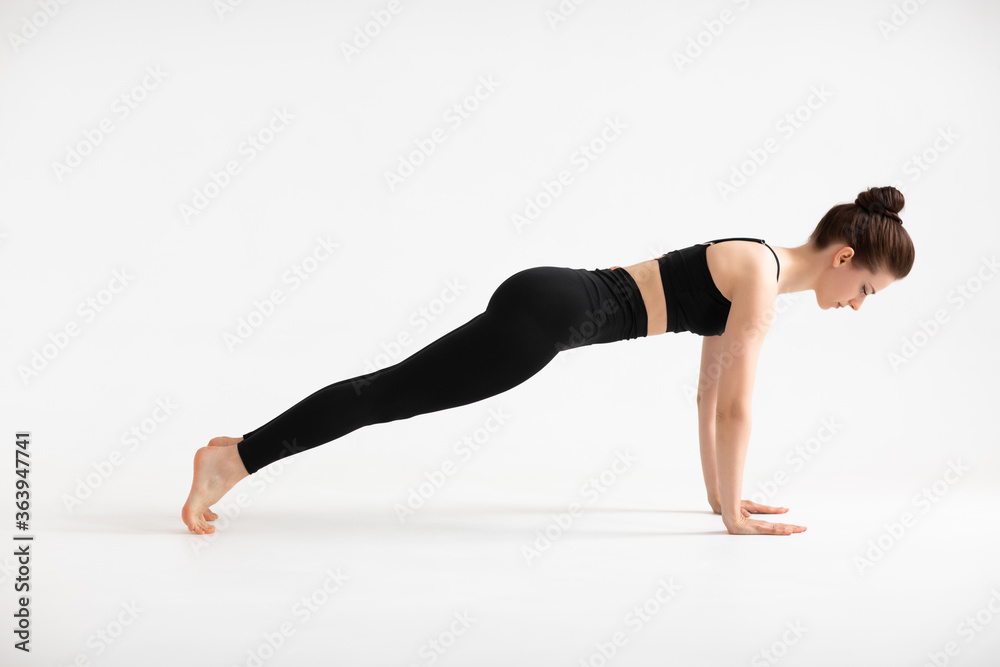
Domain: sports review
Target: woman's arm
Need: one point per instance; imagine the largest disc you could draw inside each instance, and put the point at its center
(753, 307)
(707, 400)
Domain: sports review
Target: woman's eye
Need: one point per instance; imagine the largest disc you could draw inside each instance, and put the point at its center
(863, 291)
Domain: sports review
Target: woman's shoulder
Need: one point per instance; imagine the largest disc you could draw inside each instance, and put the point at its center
(740, 263)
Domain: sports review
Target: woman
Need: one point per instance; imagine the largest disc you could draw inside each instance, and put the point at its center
(725, 292)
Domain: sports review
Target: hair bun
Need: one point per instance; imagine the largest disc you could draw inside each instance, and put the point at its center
(887, 201)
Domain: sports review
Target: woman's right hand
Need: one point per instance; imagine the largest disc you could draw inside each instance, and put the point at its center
(744, 525)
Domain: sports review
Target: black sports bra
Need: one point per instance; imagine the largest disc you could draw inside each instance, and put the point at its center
(694, 303)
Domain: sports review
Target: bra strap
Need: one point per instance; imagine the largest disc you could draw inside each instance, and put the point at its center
(746, 238)
(734, 238)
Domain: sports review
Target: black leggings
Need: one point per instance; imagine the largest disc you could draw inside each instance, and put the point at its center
(532, 316)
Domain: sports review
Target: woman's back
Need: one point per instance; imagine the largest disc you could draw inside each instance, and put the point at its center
(690, 289)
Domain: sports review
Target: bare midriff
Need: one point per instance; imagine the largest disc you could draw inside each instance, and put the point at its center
(718, 258)
(647, 276)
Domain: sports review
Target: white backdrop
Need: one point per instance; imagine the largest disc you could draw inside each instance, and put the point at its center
(212, 209)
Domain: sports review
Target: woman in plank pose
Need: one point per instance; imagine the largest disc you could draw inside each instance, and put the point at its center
(725, 292)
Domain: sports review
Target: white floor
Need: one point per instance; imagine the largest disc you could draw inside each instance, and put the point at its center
(332, 576)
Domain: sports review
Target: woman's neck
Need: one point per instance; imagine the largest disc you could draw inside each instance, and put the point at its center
(800, 268)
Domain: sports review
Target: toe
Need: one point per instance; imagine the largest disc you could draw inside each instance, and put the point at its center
(210, 515)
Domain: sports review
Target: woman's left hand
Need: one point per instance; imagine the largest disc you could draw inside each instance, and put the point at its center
(748, 507)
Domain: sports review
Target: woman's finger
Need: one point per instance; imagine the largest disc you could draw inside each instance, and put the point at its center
(758, 527)
(757, 508)
(787, 528)
(767, 528)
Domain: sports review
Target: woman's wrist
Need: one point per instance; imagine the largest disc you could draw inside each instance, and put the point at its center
(731, 518)
(716, 503)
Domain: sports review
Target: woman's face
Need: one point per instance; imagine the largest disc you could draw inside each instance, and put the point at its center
(843, 285)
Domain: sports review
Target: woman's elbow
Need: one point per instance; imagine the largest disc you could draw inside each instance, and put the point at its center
(732, 412)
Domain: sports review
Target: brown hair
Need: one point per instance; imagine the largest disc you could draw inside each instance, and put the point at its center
(872, 226)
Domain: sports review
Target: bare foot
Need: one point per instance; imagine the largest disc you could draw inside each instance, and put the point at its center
(217, 468)
(223, 441)
(220, 441)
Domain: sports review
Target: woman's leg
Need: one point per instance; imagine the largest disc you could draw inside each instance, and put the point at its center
(531, 316)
